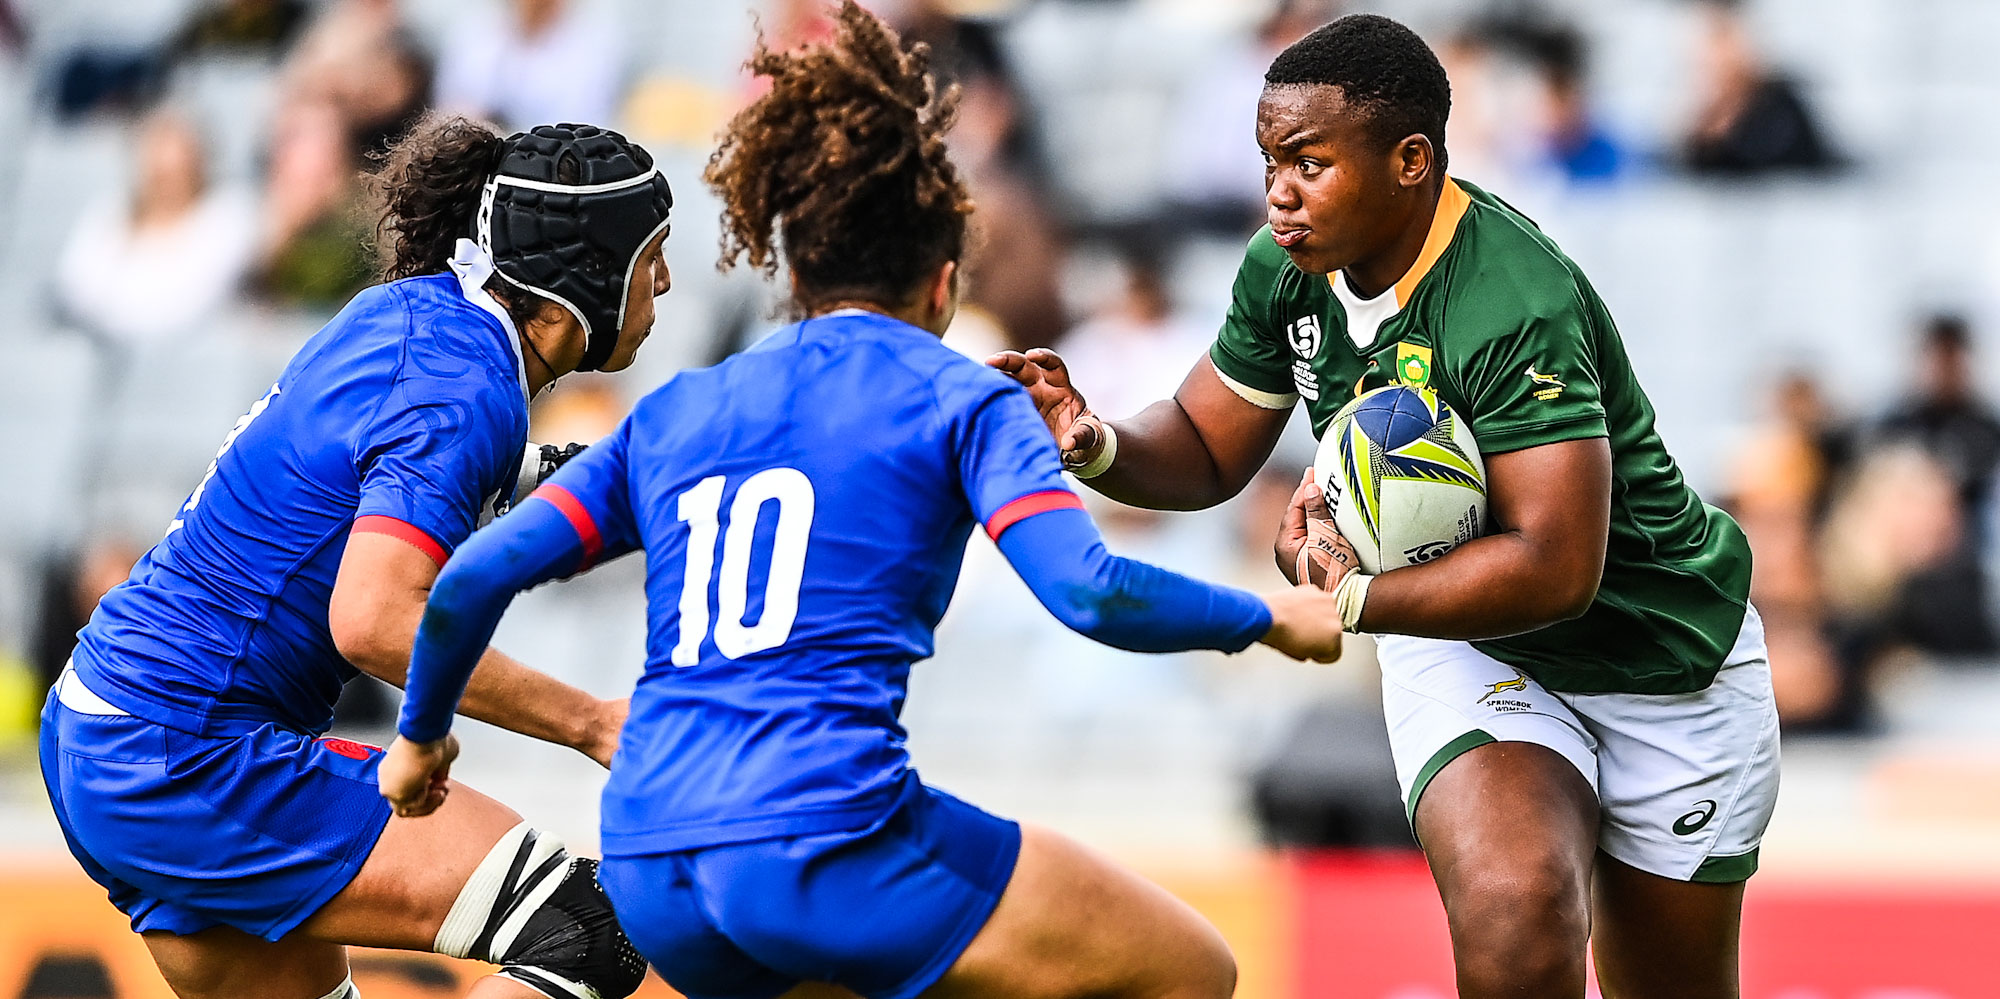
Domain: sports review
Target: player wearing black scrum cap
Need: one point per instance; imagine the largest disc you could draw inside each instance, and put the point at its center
(182, 750)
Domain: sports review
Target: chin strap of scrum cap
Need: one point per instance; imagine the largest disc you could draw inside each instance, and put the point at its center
(566, 217)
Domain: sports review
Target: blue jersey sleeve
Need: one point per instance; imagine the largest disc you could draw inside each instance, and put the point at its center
(1013, 480)
(1123, 602)
(532, 544)
(429, 458)
(1008, 463)
(593, 492)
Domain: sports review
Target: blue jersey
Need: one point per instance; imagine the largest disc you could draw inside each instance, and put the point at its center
(405, 415)
(804, 507)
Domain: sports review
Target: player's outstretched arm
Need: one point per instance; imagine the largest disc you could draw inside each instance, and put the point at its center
(1190, 452)
(379, 600)
(1550, 507)
(1133, 605)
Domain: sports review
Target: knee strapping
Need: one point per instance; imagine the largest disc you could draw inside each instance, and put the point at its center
(345, 991)
(538, 912)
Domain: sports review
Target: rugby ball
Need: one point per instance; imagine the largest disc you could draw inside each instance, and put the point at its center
(1403, 476)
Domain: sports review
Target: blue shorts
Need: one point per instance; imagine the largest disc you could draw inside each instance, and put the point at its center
(186, 832)
(884, 911)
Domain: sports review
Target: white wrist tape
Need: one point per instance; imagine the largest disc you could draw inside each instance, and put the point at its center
(1106, 454)
(1349, 596)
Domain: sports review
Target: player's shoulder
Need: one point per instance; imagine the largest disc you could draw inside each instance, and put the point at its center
(1266, 264)
(961, 384)
(444, 323)
(426, 314)
(1507, 263)
(1270, 288)
(952, 378)
(417, 343)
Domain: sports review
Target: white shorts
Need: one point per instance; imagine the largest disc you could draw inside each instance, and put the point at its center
(1685, 783)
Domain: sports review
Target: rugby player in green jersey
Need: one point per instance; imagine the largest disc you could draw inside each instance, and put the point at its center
(1579, 702)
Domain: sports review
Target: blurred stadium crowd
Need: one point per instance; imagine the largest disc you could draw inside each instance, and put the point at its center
(1782, 201)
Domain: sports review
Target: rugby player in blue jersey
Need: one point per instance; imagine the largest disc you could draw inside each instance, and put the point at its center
(180, 750)
(804, 507)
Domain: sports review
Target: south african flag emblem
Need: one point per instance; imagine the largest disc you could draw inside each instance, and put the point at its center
(1413, 365)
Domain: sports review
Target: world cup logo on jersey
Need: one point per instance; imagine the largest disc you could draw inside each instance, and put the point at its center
(1306, 339)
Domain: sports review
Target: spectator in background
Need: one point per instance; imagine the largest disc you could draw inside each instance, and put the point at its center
(1946, 418)
(153, 262)
(967, 51)
(1574, 143)
(380, 109)
(1779, 491)
(71, 585)
(358, 59)
(1134, 346)
(791, 24)
(1892, 524)
(318, 231)
(1014, 252)
(1488, 145)
(1214, 169)
(257, 28)
(1752, 120)
(1139, 351)
(1942, 607)
(533, 62)
(345, 33)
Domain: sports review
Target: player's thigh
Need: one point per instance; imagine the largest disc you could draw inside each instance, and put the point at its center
(413, 875)
(1072, 923)
(227, 963)
(1657, 938)
(1510, 830)
(1496, 773)
(1443, 699)
(1688, 782)
(1498, 776)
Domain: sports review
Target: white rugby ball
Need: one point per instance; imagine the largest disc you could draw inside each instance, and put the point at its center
(1403, 476)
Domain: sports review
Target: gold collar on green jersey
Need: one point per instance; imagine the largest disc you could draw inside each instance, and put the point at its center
(1366, 317)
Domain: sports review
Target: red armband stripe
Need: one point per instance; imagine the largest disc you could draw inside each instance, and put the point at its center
(402, 531)
(1027, 506)
(579, 518)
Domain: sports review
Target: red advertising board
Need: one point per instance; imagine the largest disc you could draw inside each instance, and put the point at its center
(1369, 926)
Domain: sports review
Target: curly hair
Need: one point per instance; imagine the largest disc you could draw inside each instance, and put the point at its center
(842, 167)
(428, 184)
(1382, 68)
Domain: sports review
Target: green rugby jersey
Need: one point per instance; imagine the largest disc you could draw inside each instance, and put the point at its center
(1507, 330)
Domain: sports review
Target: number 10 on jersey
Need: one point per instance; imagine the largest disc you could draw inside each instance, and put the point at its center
(700, 509)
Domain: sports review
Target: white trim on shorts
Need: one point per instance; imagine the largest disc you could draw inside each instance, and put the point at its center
(72, 694)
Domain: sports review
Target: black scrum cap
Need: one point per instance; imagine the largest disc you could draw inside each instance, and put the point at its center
(574, 242)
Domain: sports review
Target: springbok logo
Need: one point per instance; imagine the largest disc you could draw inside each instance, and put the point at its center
(1518, 685)
(1546, 386)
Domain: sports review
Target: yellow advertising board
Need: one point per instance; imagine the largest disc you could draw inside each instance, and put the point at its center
(60, 939)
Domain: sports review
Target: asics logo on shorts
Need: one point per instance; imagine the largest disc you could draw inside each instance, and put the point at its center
(1691, 823)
